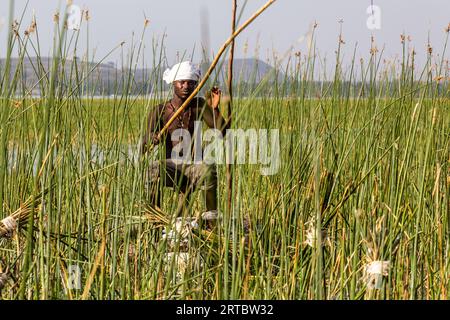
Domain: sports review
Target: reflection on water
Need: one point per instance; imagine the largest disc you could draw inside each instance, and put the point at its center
(99, 156)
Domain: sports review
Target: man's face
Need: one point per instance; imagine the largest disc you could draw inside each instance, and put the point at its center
(184, 88)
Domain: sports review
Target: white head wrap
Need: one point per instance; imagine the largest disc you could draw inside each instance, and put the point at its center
(181, 71)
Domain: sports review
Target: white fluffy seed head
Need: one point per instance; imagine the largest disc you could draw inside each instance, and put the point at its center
(374, 273)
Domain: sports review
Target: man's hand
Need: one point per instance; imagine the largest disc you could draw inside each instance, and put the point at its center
(213, 97)
(149, 142)
(156, 139)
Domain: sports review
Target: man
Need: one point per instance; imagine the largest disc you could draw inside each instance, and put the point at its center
(185, 177)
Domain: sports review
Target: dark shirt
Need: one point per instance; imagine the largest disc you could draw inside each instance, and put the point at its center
(161, 115)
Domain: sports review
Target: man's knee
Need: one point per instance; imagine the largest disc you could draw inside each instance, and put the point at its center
(203, 175)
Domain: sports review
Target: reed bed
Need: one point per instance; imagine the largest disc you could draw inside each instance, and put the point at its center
(359, 208)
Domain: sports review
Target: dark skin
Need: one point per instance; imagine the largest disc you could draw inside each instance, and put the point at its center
(182, 89)
(211, 115)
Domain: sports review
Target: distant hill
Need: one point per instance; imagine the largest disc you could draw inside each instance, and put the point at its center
(244, 70)
(107, 78)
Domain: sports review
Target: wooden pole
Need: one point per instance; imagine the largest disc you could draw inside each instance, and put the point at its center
(229, 174)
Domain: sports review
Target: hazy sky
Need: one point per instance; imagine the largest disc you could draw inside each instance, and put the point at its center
(277, 29)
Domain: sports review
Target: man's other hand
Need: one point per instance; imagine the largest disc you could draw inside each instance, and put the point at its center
(213, 97)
